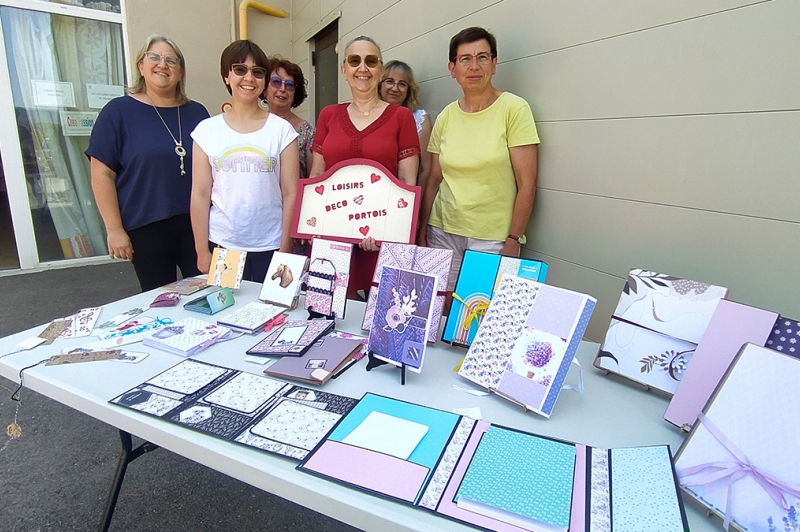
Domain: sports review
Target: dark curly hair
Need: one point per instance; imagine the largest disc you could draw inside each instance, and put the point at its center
(300, 93)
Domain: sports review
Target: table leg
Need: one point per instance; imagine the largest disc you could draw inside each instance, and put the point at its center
(128, 455)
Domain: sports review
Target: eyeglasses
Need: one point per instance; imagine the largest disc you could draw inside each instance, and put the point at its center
(155, 58)
(401, 85)
(355, 60)
(277, 82)
(241, 71)
(465, 60)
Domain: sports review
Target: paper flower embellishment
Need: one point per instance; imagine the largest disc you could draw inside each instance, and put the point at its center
(400, 313)
(538, 354)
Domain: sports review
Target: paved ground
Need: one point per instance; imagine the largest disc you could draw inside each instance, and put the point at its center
(55, 477)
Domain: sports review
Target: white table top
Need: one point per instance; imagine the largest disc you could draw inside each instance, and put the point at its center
(611, 413)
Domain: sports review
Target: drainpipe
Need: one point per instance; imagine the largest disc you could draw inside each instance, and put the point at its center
(268, 10)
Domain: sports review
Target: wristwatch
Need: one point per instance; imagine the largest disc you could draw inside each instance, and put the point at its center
(520, 239)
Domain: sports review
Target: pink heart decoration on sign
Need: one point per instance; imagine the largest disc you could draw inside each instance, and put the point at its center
(312, 221)
(402, 204)
(359, 199)
(319, 189)
(364, 230)
(374, 178)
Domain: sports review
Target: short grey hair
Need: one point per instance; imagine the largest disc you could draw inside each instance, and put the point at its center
(139, 85)
(362, 38)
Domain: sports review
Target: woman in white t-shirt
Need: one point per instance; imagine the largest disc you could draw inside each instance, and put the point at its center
(245, 170)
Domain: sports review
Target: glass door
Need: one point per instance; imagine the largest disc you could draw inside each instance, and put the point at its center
(62, 69)
(9, 258)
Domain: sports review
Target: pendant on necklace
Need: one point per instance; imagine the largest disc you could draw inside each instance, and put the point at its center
(180, 151)
(366, 113)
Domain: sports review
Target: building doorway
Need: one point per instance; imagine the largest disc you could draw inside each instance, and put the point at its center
(9, 257)
(326, 67)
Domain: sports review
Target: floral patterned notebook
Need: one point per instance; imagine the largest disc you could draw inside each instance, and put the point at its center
(656, 327)
(253, 410)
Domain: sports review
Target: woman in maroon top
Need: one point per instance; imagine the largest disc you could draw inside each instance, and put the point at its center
(367, 128)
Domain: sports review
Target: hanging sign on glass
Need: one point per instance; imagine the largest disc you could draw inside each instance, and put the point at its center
(98, 95)
(52, 93)
(77, 124)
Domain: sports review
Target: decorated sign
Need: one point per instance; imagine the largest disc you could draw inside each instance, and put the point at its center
(355, 199)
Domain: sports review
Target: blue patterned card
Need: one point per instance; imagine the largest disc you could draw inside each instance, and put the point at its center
(785, 337)
(402, 317)
(522, 474)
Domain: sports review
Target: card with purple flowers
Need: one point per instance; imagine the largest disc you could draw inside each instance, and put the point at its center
(527, 340)
(402, 317)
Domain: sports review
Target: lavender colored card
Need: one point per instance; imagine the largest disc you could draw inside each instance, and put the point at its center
(732, 326)
(425, 260)
(785, 337)
(740, 460)
(402, 317)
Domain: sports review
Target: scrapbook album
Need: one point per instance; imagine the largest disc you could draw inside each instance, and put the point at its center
(253, 410)
(187, 337)
(740, 459)
(252, 317)
(319, 363)
(429, 261)
(477, 280)
(656, 327)
(527, 341)
(292, 338)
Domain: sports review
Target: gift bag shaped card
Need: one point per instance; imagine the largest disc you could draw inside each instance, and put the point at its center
(292, 338)
(402, 317)
(355, 199)
(478, 278)
(282, 283)
(740, 459)
(656, 327)
(227, 268)
(328, 277)
(731, 326)
(527, 341)
(187, 336)
(429, 261)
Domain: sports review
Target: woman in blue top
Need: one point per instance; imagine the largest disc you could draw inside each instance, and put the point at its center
(141, 164)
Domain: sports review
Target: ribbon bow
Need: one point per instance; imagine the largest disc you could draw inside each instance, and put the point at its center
(475, 313)
(711, 472)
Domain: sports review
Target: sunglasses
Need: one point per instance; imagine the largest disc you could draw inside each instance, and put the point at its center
(156, 58)
(371, 61)
(241, 71)
(277, 83)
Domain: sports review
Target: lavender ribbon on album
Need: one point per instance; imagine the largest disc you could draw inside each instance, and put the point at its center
(711, 472)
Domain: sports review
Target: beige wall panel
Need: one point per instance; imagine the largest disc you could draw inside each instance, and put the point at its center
(356, 12)
(272, 34)
(732, 163)
(757, 259)
(727, 62)
(305, 19)
(299, 5)
(605, 288)
(326, 7)
(201, 49)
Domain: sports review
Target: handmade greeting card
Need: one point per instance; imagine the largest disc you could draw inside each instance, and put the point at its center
(252, 317)
(187, 286)
(429, 261)
(785, 337)
(731, 326)
(656, 327)
(187, 337)
(227, 268)
(478, 279)
(282, 283)
(118, 320)
(132, 331)
(292, 338)
(402, 317)
(328, 277)
(355, 199)
(527, 341)
(740, 459)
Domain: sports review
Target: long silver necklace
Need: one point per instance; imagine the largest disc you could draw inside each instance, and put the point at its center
(180, 151)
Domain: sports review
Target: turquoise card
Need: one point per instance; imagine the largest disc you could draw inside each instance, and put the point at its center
(521, 474)
(477, 280)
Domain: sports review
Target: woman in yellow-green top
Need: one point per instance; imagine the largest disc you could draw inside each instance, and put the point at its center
(483, 167)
